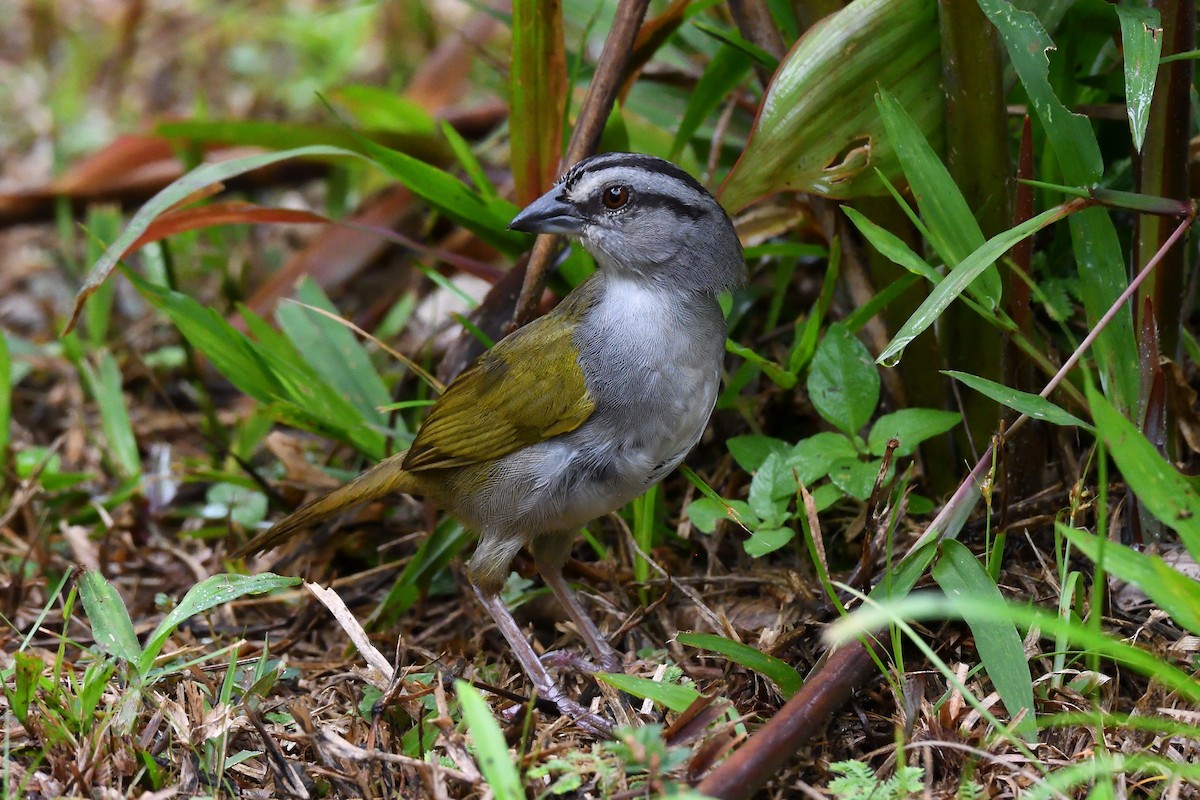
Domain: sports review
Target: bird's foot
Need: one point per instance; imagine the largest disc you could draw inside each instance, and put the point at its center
(584, 718)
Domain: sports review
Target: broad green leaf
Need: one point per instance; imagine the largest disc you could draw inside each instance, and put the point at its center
(537, 96)
(961, 277)
(843, 383)
(817, 130)
(1171, 590)
(813, 457)
(961, 575)
(1098, 251)
(210, 592)
(705, 513)
(781, 673)
(106, 612)
(751, 450)
(854, 476)
(669, 695)
(953, 231)
(498, 766)
(1141, 44)
(1165, 493)
(911, 426)
(178, 191)
(1031, 405)
(767, 540)
(773, 485)
(27, 674)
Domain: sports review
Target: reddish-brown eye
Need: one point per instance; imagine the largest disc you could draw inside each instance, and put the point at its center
(615, 197)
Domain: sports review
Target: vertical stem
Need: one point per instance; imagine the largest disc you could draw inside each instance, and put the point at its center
(1163, 170)
(978, 159)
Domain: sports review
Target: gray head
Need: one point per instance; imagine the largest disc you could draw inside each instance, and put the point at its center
(644, 218)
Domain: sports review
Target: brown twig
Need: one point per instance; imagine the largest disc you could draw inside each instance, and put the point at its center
(584, 140)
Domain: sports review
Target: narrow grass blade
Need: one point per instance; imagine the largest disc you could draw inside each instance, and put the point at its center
(1168, 495)
(104, 384)
(724, 72)
(1101, 268)
(1141, 43)
(929, 605)
(779, 672)
(211, 592)
(486, 217)
(953, 231)
(491, 752)
(892, 246)
(180, 190)
(106, 612)
(963, 276)
(1031, 405)
(334, 352)
(669, 695)
(1171, 590)
(960, 574)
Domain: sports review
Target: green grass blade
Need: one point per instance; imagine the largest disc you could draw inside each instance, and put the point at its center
(1169, 496)
(669, 695)
(176, 192)
(106, 612)
(1101, 269)
(1171, 590)
(207, 594)
(1141, 43)
(779, 672)
(931, 605)
(334, 352)
(105, 385)
(486, 217)
(1031, 405)
(491, 752)
(724, 72)
(892, 246)
(960, 278)
(953, 231)
(960, 574)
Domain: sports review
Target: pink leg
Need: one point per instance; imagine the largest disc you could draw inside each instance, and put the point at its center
(606, 657)
(536, 672)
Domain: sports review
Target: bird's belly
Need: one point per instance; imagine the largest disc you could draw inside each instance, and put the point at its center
(565, 482)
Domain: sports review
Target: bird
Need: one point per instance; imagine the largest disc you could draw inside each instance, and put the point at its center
(582, 410)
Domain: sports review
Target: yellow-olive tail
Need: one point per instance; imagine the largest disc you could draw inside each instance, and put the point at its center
(384, 478)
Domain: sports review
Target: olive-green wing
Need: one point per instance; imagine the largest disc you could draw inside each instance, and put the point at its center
(526, 389)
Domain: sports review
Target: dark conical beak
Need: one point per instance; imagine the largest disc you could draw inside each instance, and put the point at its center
(550, 213)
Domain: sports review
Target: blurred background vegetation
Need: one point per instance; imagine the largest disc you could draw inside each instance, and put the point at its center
(942, 203)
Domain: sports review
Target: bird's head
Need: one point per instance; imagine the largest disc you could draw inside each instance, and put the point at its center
(642, 218)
